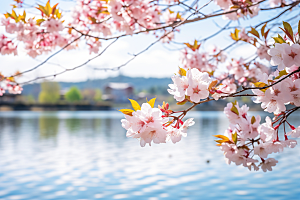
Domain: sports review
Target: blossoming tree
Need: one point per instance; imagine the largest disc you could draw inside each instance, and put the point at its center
(247, 141)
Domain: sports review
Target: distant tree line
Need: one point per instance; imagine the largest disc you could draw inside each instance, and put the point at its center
(52, 93)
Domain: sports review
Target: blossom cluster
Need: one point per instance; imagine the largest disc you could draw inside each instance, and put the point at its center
(239, 72)
(7, 46)
(193, 86)
(9, 84)
(286, 91)
(102, 18)
(97, 18)
(150, 124)
(275, 98)
(246, 139)
(203, 61)
(39, 36)
(244, 8)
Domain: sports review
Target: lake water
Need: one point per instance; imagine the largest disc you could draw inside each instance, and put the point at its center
(85, 155)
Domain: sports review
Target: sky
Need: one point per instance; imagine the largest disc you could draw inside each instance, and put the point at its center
(161, 60)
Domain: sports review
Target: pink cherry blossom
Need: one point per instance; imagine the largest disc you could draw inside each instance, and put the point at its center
(53, 25)
(295, 133)
(274, 3)
(266, 131)
(227, 87)
(268, 164)
(224, 4)
(277, 54)
(263, 150)
(176, 134)
(178, 89)
(291, 55)
(262, 52)
(198, 85)
(157, 135)
(274, 98)
(146, 124)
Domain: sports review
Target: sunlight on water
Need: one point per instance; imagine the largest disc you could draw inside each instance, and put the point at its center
(85, 155)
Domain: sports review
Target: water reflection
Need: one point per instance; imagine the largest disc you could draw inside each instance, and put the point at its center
(48, 127)
(85, 155)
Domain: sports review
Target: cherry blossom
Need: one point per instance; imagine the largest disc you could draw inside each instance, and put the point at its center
(277, 55)
(175, 134)
(295, 133)
(291, 55)
(266, 131)
(268, 164)
(53, 25)
(178, 89)
(274, 3)
(198, 85)
(262, 53)
(146, 124)
(273, 99)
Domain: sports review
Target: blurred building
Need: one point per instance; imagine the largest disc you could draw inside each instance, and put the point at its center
(118, 92)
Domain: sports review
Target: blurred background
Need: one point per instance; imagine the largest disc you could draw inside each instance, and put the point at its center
(62, 138)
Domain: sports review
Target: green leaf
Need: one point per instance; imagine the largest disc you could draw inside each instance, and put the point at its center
(234, 7)
(24, 15)
(260, 84)
(234, 103)
(299, 28)
(234, 137)
(58, 14)
(234, 109)
(235, 35)
(253, 120)
(136, 106)
(7, 15)
(42, 9)
(14, 15)
(249, 2)
(54, 9)
(289, 30)
(182, 102)
(266, 34)
(263, 30)
(212, 84)
(127, 111)
(281, 73)
(279, 36)
(182, 72)
(279, 40)
(152, 102)
(223, 137)
(254, 32)
(39, 21)
(48, 9)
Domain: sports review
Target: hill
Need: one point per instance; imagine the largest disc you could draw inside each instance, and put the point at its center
(152, 85)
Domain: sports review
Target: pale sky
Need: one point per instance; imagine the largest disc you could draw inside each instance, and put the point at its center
(158, 61)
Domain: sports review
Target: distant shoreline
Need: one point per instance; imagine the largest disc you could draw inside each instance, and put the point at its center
(54, 107)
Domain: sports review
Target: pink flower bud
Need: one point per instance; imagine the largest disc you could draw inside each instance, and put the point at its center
(167, 106)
